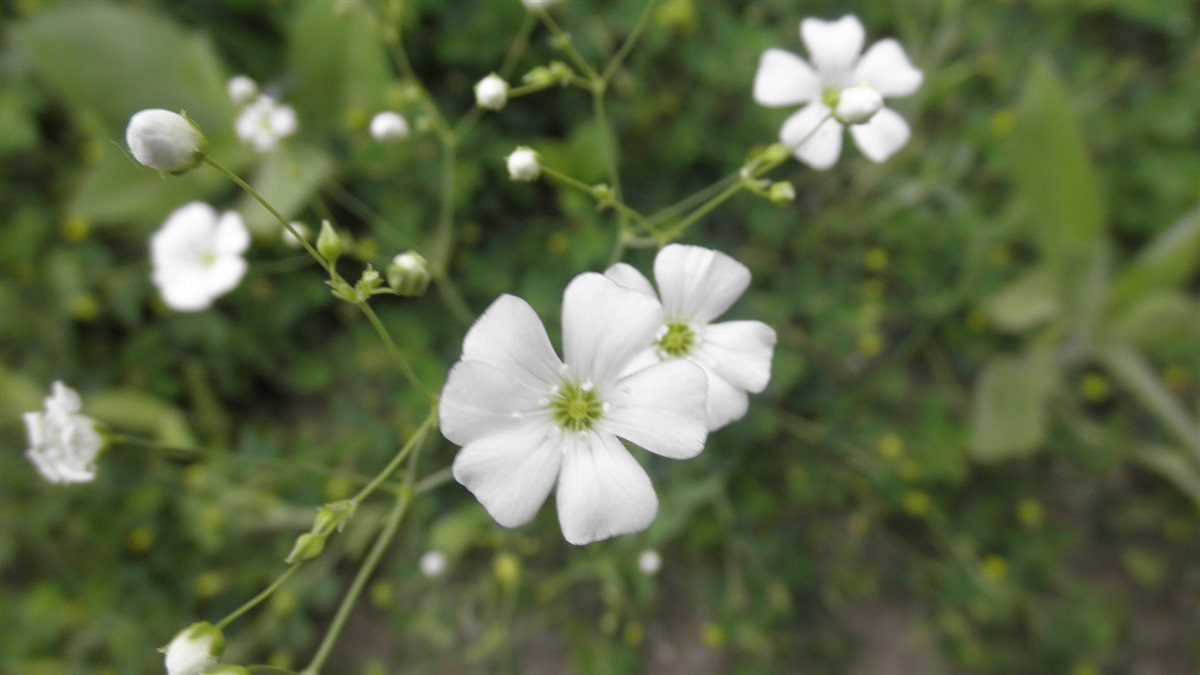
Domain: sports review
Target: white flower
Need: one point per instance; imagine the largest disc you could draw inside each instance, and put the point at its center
(534, 5)
(857, 105)
(698, 285)
(649, 562)
(290, 240)
(242, 89)
(491, 92)
(194, 650)
(524, 165)
(784, 79)
(432, 564)
(389, 127)
(63, 444)
(163, 140)
(526, 420)
(264, 123)
(197, 256)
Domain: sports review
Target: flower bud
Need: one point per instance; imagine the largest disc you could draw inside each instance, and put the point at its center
(333, 515)
(535, 5)
(781, 193)
(228, 670)
(491, 93)
(167, 141)
(649, 562)
(409, 274)
(389, 127)
(242, 90)
(194, 650)
(307, 547)
(328, 243)
(432, 564)
(524, 165)
(857, 105)
(369, 282)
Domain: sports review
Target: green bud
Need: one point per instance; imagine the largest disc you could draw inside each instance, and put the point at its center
(781, 193)
(342, 290)
(333, 515)
(228, 670)
(776, 153)
(408, 274)
(329, 245)
(604, 196)
(369, 282)
(307, 547)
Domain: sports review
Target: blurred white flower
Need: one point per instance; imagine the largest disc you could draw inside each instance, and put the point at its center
(784, 79)
(197, 256)
(242, 90)
(194, 650)
(533, 5)
(526, 420)
(63, 444)
(289, 240)
(523, 164)
(163, 140)
(265, 122)
(649, 562)
(389, 127)
(432, 564)
(491, 93)
(698, 285)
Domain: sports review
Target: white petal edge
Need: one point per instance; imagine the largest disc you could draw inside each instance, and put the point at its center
(512, 472)
(661, 409)
(510, 336)
(627, 275)
(740, 352)
(834, 47)
(698, 284)
(232, 237)
(481, 398)
(822, 147)
(883, 136)
(886, 68)
(605, 326)
(602, 490)
(726, 403)
(784, 79)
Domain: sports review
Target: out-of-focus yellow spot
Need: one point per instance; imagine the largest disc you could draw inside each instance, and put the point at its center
(1003, 123)
(284, 602)
(1085, 669)
(874, 290)
(1177, 377)
(1177, 529)
(634, 634)
(778, 597)
(870, 344)
(1094, 388)
(212, 518)
(84, 308)
(208, 584)
(1030, 513)
(507, 568)
(375, 668)
(858, 525)
(910, 470)
(337, 488)
(917, 503)
(195, 476)
(556, 243)
(25, 7)
(676, 15)
(381, 594)
(994, 569)
(976, 321)
(875, 260)
(92, 151)
(1000, 256)
(281, 658)
(891, 446)
(712, 635)
(139, 540)
(355, 118)
(76, 228)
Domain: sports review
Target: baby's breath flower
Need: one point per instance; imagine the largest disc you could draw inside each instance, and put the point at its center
(197, 256)
(649, 562)
(389, 127)
(194, 650)
(242, 90)
(63, 444)
(432, 564)
(265, 122)
(408, 274)
(166, 141)
(491, 93)
(524, 165)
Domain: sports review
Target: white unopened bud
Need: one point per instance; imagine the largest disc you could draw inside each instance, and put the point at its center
(649, 562)
(408, 274)
(389, 127)
(242, 90)
(167, 141)
(433, 564)
(524, 165)
(491, 93)
(857, 105)
(534, 5)
(194, 650)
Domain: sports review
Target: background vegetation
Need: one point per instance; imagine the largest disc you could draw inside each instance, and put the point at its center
(974, 454)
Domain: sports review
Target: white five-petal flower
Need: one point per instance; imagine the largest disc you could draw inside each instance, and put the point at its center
(697, 285)
(63, 444)
(526, 420)
(784, 79)
(197, 256)
(265, 122)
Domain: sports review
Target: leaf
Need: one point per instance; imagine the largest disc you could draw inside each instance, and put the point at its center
(1131, 370)
(1025, 303)
(1171, 259)
(133, 411)
(287, 179)
(1161, 319)
(1008, 417)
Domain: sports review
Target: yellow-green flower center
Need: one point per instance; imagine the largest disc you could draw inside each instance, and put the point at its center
(576, 407)
(677, 341)
(831, 97)
(208, 258)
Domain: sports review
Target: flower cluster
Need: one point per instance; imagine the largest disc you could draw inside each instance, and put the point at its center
(263, 121)
(635, 369)
(63, 444)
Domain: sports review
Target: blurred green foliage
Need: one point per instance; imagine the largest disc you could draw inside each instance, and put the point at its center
(973, 456)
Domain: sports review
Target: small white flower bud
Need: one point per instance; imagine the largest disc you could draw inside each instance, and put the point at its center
(389, 127)
(194, 650)
(524, 165)
(491, 93)
(534, 5)
(329, 245)
(242, 90)
(408, 274)
(649, 562)
(857, 105)
(167, 141)
(433, 564)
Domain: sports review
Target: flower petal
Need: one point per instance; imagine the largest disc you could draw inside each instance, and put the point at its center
(726, 403)
(880, 138)
(834, 46)
(511, 472)
(232, 237)
(820, 148)
(602, 490)
(63, 399)
(628, 276)
(605, 325)
(661, 408)
(886, 68)
(698, 284)
(784, 79)
(480, 399)
(739, 351)
(510, 336)
(185, 292)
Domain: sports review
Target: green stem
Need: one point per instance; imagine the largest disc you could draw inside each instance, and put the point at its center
(256, 600)
(454, 300)
(608, 148)
(619, 57)
(518, 46)
(395, 42)
(693, 200)
(434, 480)
(445, 232)
(417, 438)
(565, 41)
(576, 184)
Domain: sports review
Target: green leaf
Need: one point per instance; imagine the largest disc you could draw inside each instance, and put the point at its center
(1161, 319)
(1171, 259)
(1008, 417)
(136, 412)
(1025, 303)
(287, 179)
(1131, 370)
